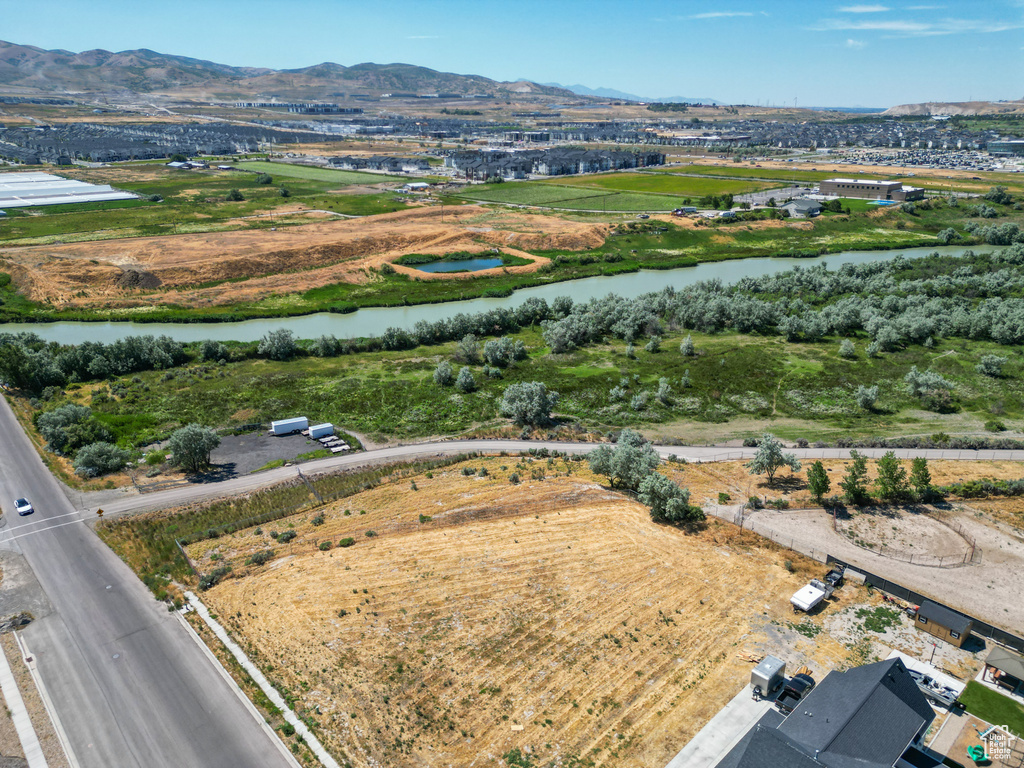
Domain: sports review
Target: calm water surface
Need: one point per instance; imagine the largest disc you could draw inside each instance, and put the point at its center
(373, 321)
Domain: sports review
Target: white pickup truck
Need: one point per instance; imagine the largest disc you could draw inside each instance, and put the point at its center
(807, 597)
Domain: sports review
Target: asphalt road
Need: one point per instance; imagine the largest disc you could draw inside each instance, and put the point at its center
(130, 686)
(131, 503)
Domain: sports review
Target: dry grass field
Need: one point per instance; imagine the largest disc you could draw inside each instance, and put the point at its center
(473, 617)
(288, 260)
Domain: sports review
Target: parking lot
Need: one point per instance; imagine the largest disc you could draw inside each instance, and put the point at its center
(242, 454)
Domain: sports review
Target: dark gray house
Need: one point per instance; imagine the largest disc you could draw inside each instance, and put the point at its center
(868, 717)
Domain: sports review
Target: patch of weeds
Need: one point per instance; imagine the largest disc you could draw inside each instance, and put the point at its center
(806, 628)
(878, 619)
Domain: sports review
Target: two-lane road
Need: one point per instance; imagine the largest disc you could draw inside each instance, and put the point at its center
(130, 686)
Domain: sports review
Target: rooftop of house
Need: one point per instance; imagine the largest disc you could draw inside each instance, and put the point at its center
(865, 717)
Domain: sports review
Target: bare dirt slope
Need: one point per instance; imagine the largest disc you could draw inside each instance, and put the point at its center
(272, 262)
(552, 617)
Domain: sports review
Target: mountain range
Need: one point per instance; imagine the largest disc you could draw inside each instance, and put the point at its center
(27, 69)
(611, 93)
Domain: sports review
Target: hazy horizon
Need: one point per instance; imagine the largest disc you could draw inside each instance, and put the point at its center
(799, 53)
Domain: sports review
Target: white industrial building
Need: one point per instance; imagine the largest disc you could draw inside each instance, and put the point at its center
(18, 189)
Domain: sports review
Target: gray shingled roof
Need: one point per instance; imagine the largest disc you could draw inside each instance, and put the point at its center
(944, 617)
(862, 718)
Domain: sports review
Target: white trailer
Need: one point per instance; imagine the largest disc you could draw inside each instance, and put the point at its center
(289, 426)
(807, 597)
(321, 430)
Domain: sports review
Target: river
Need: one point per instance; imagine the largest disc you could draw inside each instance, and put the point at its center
(373, 321)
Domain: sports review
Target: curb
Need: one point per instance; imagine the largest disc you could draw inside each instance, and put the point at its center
(300, 727)
(30, 745)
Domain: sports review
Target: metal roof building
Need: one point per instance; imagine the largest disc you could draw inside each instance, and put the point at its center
(21, 189)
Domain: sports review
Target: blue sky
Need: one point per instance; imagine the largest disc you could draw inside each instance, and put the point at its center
(812, 53)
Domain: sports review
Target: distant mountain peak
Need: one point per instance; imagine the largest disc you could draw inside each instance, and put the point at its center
(99, 71)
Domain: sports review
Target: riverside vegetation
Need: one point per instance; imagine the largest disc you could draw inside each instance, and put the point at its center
(630, 247)
(904, 347)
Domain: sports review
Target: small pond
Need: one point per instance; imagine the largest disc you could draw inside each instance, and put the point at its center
(464, 265)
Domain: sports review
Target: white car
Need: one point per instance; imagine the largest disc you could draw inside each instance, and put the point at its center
(24, 506)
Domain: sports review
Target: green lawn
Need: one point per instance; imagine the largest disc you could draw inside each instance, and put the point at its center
(337, 178)
(993, 707)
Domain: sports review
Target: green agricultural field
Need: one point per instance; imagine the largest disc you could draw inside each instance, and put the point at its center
(750, 172)
(336, 178)
(985, 180)
(527, 193)
(684, 186)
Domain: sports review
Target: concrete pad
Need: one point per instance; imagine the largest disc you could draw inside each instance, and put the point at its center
(721, 734)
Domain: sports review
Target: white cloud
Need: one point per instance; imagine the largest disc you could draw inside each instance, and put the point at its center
(720, 15)
(899, 28)
(864, 9)
(855, 44)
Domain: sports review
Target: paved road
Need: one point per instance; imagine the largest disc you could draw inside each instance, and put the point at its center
(131, 688)
(131, 503)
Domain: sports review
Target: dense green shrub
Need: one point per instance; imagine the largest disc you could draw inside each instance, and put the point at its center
(100, 459)
(260, 558)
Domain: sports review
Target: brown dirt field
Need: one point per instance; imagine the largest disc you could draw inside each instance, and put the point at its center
(314, 255)
(554, 605)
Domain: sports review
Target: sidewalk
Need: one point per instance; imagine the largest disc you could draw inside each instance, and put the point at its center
(19, 714)
(722, 733)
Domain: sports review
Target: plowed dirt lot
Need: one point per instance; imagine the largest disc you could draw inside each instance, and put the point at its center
(289, 260)
(551, 617)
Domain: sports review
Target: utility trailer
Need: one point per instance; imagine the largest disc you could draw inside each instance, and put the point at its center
(768, 676)
(289, 426)
(321, 430)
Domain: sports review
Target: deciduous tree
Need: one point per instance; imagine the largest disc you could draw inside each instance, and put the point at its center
(771, 457)
(817, 480)
(192, 445)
